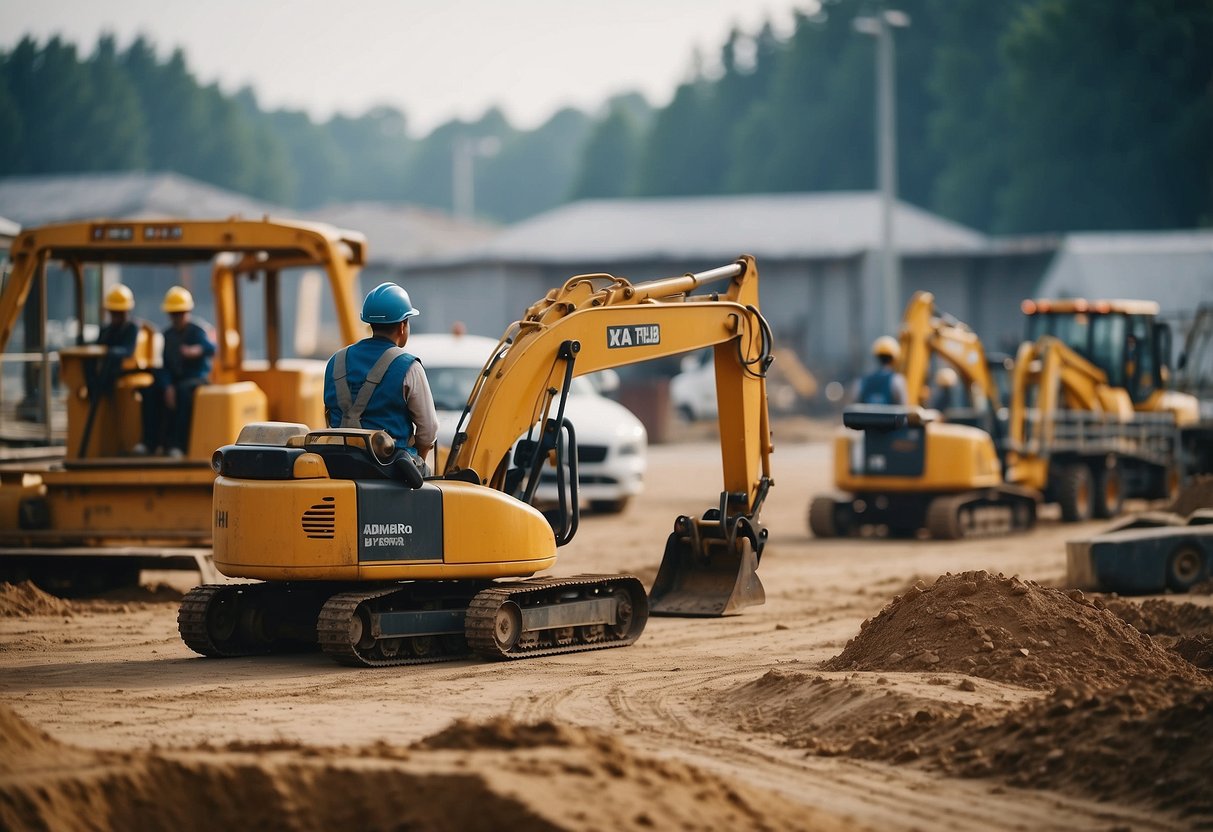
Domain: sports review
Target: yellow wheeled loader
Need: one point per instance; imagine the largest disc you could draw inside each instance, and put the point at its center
(90, 515)
(1092, 417)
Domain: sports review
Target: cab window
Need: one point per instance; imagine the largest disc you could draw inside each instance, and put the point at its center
(1108, 346)
(1072, 329)
(1140, 363)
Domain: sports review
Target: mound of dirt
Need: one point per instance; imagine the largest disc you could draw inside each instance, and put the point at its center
(1157, 617)
(497, 776)
(1146, 740)
(25, 599)
(19, 738)
(502, 733)
(1007, 630)
(835, 717)
(1197, 493)
(1196, 649)
(1183, 627)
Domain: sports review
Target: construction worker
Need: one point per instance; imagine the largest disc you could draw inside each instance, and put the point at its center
(884, 385)
(168, 405)
(119, 336)
(375, 384)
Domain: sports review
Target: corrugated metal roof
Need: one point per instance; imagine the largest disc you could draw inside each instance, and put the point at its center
(1173, 268)
(38, 200)
(768, 226)
(401, 234)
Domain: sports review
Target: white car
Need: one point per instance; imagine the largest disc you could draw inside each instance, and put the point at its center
(693, 391)
(611, 441)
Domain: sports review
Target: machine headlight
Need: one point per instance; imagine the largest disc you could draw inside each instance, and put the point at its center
(217, 462)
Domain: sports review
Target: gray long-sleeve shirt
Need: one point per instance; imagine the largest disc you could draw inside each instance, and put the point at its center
(420, 402)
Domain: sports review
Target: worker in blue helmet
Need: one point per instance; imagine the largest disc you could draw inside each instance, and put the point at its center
(376, 384)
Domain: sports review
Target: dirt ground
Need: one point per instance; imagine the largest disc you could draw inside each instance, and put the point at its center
(894, 684)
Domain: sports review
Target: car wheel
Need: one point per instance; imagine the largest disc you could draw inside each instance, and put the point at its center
(1185, 567)
(1074, 492)
(1107, 493)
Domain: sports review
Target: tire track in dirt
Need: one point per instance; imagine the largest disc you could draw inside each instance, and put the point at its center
(661, 718)
(661, 710)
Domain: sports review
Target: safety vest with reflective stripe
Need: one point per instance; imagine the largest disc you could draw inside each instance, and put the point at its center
(364, 388)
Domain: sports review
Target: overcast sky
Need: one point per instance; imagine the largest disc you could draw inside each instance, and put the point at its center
(434, 59)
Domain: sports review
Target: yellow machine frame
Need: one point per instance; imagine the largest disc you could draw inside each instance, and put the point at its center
(1082, 440)
(99, 495)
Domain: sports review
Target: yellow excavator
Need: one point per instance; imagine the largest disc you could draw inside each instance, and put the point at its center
(902, 469)
(354, 551)
(1092, 418)
(91, 515)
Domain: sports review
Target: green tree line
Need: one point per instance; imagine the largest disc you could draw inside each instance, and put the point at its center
(1013, 116)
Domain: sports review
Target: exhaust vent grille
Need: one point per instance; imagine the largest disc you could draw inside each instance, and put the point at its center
(320, 521)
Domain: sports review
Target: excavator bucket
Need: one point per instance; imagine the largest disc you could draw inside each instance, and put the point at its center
(709, 579)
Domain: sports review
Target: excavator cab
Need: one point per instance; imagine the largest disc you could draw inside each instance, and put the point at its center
(1125, 339)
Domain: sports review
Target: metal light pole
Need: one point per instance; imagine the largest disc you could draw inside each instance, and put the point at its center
(463, 173)
(881, 27)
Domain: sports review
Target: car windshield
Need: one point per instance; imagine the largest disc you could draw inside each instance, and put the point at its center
(451, 385)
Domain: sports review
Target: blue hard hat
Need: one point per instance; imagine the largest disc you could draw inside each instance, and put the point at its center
(387, 303)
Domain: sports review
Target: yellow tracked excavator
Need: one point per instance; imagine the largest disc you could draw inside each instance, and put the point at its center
(88, 516)
(355, 552)
(902, 469)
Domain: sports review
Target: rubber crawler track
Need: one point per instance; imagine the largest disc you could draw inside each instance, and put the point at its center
(333, 634)
(192, 624)
(482, 613)
(946, 519)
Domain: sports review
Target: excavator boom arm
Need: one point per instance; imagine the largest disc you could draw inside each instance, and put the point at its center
(599, 322)
(926, 331)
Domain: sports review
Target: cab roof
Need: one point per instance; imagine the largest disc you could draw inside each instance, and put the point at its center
(1072, 306)
(174, 241)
